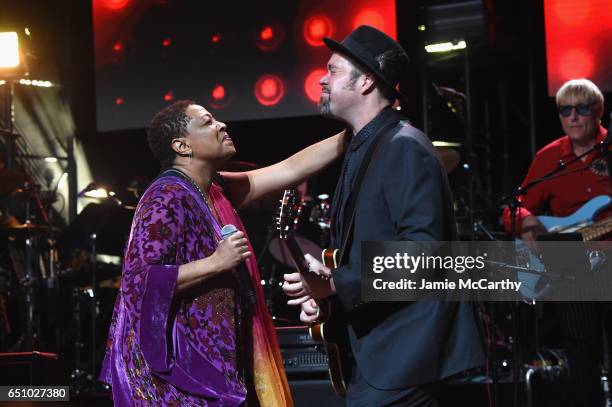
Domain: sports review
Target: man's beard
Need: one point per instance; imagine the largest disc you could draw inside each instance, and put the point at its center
(324, 108)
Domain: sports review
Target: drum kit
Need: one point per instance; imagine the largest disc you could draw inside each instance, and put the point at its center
(55, 293)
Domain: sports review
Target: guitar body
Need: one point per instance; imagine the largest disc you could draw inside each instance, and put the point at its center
(579, 220)
(331, 332)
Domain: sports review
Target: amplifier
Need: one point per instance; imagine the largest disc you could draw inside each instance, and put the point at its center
(301, 355)
(29, 368)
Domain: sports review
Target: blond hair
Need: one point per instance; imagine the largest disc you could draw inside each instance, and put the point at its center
(581, 90)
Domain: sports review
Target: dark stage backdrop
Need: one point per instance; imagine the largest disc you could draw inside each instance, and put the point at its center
(242, 59)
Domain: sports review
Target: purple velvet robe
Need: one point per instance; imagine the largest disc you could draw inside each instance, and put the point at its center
(173, 350)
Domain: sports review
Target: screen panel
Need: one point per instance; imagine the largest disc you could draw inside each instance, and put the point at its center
(578, 42)
(243, 60)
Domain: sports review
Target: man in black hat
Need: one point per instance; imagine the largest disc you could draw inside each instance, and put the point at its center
(401, 351)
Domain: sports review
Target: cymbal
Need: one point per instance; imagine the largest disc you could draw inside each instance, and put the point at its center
(11, 181)
(238, 166)
(26, 230)
(450, 158)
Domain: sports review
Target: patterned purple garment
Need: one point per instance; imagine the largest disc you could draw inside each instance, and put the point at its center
(166, 350)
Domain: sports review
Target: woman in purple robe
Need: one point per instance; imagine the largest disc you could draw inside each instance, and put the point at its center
(182, 333)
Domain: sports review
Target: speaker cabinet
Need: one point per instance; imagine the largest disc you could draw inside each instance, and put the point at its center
(29, 369)
(308, 393)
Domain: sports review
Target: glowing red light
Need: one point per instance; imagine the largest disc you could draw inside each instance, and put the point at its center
(574, 13)
(369, 17)
(311, 84)
(169, 96)
(270, 37)
(218, 92)
(576, 63)
(266, 33)
(216, 38)
(118, 46)
(317, 27)
(119, 101)
(269, 90)
(116, 4)
(219, 96)
(167, 42)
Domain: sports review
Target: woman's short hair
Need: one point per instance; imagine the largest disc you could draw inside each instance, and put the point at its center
(580, 91)
(168, 124)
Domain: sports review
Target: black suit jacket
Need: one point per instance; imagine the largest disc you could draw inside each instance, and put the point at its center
(405, 196)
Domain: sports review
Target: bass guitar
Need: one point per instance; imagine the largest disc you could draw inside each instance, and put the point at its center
(582, 221)
(330, 329)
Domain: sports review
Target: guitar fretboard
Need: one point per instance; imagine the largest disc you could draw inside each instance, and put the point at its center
(596, 230)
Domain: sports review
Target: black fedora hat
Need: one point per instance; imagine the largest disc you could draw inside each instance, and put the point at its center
(364, 45)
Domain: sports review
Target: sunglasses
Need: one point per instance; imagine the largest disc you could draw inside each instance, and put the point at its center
(581, 109)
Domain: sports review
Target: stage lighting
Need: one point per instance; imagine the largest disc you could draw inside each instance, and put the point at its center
(269, 90)
(96, 190)
(99, 191)
(9, 50)
(317, 27)
(445, 46)
(450, 27)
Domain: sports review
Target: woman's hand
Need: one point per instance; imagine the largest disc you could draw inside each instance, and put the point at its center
(231, 251)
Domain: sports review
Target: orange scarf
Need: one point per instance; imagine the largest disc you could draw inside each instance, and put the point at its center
(269, 373)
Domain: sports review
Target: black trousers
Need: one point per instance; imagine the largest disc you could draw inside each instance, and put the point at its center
(361, 394)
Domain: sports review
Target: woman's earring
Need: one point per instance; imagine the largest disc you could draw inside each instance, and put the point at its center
(190, 155)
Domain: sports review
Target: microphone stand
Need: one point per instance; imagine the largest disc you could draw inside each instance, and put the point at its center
(607, 151)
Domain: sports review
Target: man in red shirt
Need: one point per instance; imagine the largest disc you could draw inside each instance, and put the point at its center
(580, 104)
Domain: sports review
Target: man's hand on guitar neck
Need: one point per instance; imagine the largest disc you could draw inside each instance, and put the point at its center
(304, 286)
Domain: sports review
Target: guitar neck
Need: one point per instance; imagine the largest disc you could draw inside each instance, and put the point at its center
(296, 254)
(596, 230)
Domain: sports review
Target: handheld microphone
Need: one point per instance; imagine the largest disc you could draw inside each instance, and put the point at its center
(243, 273)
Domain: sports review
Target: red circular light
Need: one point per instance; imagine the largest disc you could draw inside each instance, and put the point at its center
(216, 38)
(576, 63)
(218, 92)
(269, 90)
(219, 96)
(267, 33)
(270, 37)
(317, 27)
(116, 4)
(118, 46)
(169, 96)
(119, 101)
(369, 17)
(311, 84)
(167, 42)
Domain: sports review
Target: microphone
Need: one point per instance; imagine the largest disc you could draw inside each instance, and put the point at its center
(243, 273)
